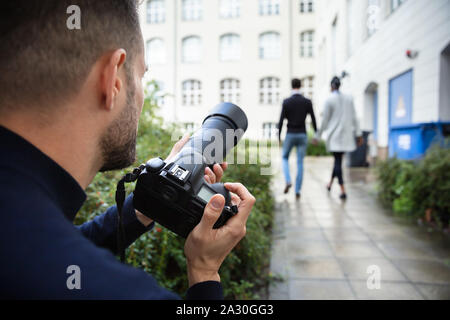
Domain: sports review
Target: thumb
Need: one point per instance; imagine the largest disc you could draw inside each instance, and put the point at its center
(212, 212)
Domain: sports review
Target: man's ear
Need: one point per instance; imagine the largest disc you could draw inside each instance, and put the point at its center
(111, 82)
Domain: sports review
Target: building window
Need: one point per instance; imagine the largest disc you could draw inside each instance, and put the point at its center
(156, 92)
(308, 87)
(155, 52)
(156, 11)
(192, 49)
(189, 127)
(270, 131)
(396, 3)
(306, 6)
(230, 47)
(269, 91)
(192, 93)
(307, 44)
(192, 10)
(230, 9)
(230, 91)
(269, 7)
(269, 46)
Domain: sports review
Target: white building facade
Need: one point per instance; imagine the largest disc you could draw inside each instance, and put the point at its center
(395, 55)
(203, 52)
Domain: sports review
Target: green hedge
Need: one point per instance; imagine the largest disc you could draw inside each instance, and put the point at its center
(418, 189)
(316, 150)
(244, 273)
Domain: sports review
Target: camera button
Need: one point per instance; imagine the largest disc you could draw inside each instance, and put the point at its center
(155, 165)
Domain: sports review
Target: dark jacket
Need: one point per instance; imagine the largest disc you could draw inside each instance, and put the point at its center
(295, 110)
(38, 241)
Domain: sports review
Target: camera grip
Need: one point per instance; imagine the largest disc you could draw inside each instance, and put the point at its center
(220, 189)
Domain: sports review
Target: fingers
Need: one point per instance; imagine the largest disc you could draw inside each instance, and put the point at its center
(210, 177)
(224, 166)
(212, 212)
(178, 146)
(246, 203)
(216, 175)
(235, 200)
(218, 171)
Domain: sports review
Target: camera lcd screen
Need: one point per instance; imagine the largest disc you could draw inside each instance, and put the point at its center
(205, 194)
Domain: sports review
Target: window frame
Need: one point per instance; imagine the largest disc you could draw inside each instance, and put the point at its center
(192, 96)
(262, 52)
(231, 57)
(271, 93)
(160, 11)
(148, 52)
(232, 93)
(185, 54)
(269, 7)
(306, 6)
(231, 7)
(307, 44)
(195, 10)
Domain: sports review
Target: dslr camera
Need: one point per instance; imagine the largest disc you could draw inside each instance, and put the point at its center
(174, 193)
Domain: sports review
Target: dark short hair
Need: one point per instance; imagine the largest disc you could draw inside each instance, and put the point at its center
(43, 62)
(336, 83)
(296, 83)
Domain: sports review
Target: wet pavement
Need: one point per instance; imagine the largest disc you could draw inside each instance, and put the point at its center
(324, 248)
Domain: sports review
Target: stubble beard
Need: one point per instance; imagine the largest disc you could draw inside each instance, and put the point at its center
(118, 144)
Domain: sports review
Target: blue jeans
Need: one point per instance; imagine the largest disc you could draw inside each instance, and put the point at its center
(300, 141)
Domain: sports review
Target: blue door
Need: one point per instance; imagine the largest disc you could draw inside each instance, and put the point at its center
(400, 100)
(400, 112)
(375, 115)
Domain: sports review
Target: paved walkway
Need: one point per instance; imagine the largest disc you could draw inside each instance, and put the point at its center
(323, 247)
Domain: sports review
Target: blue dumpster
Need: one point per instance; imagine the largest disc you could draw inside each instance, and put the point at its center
(410, 142)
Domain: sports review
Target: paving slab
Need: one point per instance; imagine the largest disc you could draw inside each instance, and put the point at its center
(327, 249)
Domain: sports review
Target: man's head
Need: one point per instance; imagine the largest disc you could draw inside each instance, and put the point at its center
(46, 66)
(296, 84)
(335, 84)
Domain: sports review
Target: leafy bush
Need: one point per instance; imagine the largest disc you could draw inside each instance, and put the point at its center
(316, 150)
(160, 252)
(418, 189)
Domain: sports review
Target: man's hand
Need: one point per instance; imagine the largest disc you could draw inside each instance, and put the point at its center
(210, 175)
(206, 248)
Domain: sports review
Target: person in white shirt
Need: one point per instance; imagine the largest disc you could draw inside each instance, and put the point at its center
(342, 127)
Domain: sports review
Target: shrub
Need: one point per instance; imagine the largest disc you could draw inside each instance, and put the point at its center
(160, 252)
(418, 189)
(316, 150)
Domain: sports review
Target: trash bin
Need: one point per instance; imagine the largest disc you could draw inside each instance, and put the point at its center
(411, 142)
(358, 158)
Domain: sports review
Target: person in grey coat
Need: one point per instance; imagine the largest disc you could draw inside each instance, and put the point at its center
(342, 127)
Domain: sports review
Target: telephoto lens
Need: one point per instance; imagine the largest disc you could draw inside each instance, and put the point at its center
(174, 193)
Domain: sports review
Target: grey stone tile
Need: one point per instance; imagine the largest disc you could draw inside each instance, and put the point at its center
(387, 291)
(279, 290)
(404, 250)
(356, 269)
(315, 268)
(356, 250)
(424, 271)
(320, 290)
(303, 249)
(435, 292)
(340, 234)
(304, 234)
(278, 261)
(337, 222)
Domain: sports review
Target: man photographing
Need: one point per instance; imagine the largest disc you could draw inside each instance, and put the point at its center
(70, 102)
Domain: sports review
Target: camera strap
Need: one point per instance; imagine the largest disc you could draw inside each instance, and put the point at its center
(120, 199)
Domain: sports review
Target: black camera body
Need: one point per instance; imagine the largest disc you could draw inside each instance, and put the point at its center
(175, 193)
